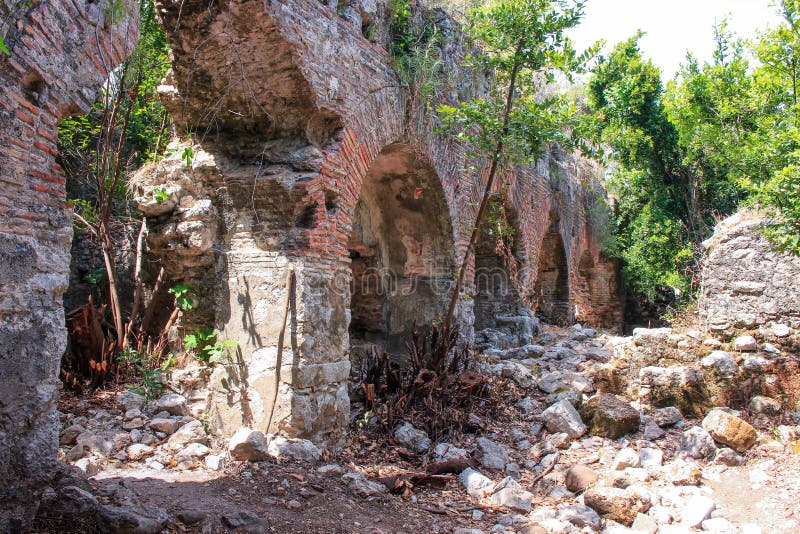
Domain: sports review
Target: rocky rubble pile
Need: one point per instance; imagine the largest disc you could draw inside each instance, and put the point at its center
(159, 434)
(578, 457)
(610, 464)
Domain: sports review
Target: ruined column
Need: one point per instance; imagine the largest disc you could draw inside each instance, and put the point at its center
(60, 52)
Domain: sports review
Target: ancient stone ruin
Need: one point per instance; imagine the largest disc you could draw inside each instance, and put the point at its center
(319, 218)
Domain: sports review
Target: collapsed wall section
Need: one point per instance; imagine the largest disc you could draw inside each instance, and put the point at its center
(61, 52)
(746, 283)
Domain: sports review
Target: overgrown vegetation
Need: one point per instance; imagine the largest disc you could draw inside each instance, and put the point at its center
(686, 154)
(126, 127)
(524, 44)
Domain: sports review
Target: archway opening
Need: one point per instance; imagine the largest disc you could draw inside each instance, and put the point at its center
(552, 282)
(401, 251)
(496, 292)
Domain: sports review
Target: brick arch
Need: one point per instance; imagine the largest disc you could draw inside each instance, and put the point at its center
(400, 249)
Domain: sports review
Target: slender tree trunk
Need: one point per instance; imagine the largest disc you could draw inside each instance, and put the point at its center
(486, 192)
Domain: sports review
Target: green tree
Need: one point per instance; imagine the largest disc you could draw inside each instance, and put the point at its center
(655, 195)
(777, 181)
(123, 129)
(524, 44)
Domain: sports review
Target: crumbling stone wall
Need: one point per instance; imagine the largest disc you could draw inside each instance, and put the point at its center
(310, 158)
(746, 283)
(61, 52)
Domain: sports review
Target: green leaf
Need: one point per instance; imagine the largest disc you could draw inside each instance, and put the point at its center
(3, 47)
(190, 341)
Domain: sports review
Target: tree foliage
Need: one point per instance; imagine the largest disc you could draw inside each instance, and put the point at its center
(523, 43)
(721, 133)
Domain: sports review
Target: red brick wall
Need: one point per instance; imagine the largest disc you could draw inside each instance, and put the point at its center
(61, 52)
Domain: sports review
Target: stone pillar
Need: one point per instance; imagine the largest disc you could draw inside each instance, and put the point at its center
(60, 53)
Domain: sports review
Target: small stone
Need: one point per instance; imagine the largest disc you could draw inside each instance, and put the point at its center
(551, 382)
(137, 451)
(330, 470)
(668, 416)
(580, 516)
(477, 485)
(652, 431)
(242, 518)
(136, 422)
(616, 504)
(70, 434)
(248, 445)
(626, 458)
(490, 454)
(167, 426)
(610, 416)
(526, 405)
(682, 473)
(133, 413)
(697, 443)
(294, 448)
(513, 471)
(755, 364)
(174, 404)
(213, 462)
(718, 525)
(294, 504)
(651, 457)
(191, 432)
(745, 344)
(193, 450)
(142, 519)
(562, 417)
(509, 493)
(413, 438)
(644, 523)
(361, 485)
(129, 400)
(447, 451)
(560, 440)
(765, 406)
(580, 477)
(712, 342)
(191, 517)
(781, 330)
(88, 467)
(136, 435)
(729, 457)
(721, 362)
(769, 348)
(697, 509)
(570, 395)
(729, 430)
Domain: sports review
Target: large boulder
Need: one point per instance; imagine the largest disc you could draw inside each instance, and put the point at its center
(729, 430)
(609, 416)
(746, 282)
